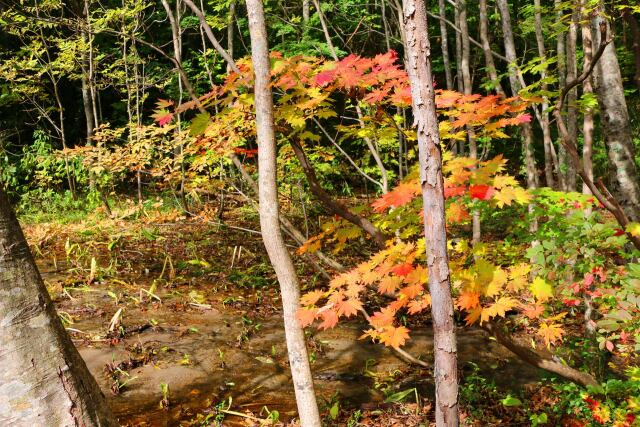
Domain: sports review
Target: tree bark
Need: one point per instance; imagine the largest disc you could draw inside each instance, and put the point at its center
(587, 88)
(43, 379)
(532, 357)
(510, 53)
(418, 53)
(544, 114)
(631, 20)
(444, 44)
(486, 47)
(270, 222)
(572, 96)
(615, 124)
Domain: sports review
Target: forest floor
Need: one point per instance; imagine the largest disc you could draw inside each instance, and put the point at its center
(179, 321)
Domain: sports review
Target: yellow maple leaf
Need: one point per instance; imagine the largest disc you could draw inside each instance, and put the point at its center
(501, 181)
(633, 228)
(550, 333)
(505, 196)
(518, 275)
(541, 289)
(497, 282)
(498, 308)
(310, 298)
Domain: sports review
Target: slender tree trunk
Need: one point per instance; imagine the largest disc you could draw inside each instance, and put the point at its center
(418, 53)
(587, 88)
(572, 97)
(615, 124)
(305, 11)
(232, 17)
(632, 22)
(270, 222)
(461, 5)
(544, 114)
(444, 44)
(510, 53)
(43, 379)
(561, 48)
(486, 47)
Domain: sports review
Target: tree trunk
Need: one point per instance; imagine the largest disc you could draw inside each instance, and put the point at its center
(418, 53)
(43, 379)
(270, 222)
(572, 97)
(486, 48)
(444, 44)
(232, 17)
(526, 353)
(587, 88)
(468, 89)
(631, 20)
(510, 53)
(544, 114)
(616, 126)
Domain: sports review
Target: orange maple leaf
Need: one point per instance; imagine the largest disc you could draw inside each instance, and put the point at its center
(329, 319)
(533, 311)
(389, 284)
(349, 307)
(394, 337)
(468, 300)
(401, 195)
(382, 318)
(306, 316)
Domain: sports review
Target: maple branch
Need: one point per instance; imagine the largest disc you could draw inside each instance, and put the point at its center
(332, 205)
(286, 224)
(534, 358)
(403, 354)
(207, 29)
(349, 159)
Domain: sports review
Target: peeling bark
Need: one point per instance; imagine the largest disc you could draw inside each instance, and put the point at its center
(418, 57)
(43, 380)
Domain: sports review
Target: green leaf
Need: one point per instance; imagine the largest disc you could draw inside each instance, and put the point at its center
(511, 401)
(199, 124)
(399, 396)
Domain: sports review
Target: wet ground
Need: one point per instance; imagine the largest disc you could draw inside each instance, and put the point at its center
(205, 326)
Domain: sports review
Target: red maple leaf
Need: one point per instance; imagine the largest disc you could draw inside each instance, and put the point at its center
(402, 269)
(454, 191)
(399, 196)
(481, 192)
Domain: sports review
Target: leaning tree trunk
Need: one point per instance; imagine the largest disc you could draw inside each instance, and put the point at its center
(418, 54)
(270, 223)
(43, 379)
(616, 126)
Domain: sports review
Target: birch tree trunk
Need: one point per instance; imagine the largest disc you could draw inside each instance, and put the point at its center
(418, 55)
(270, 222)
(43, 380)
(615, 124)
